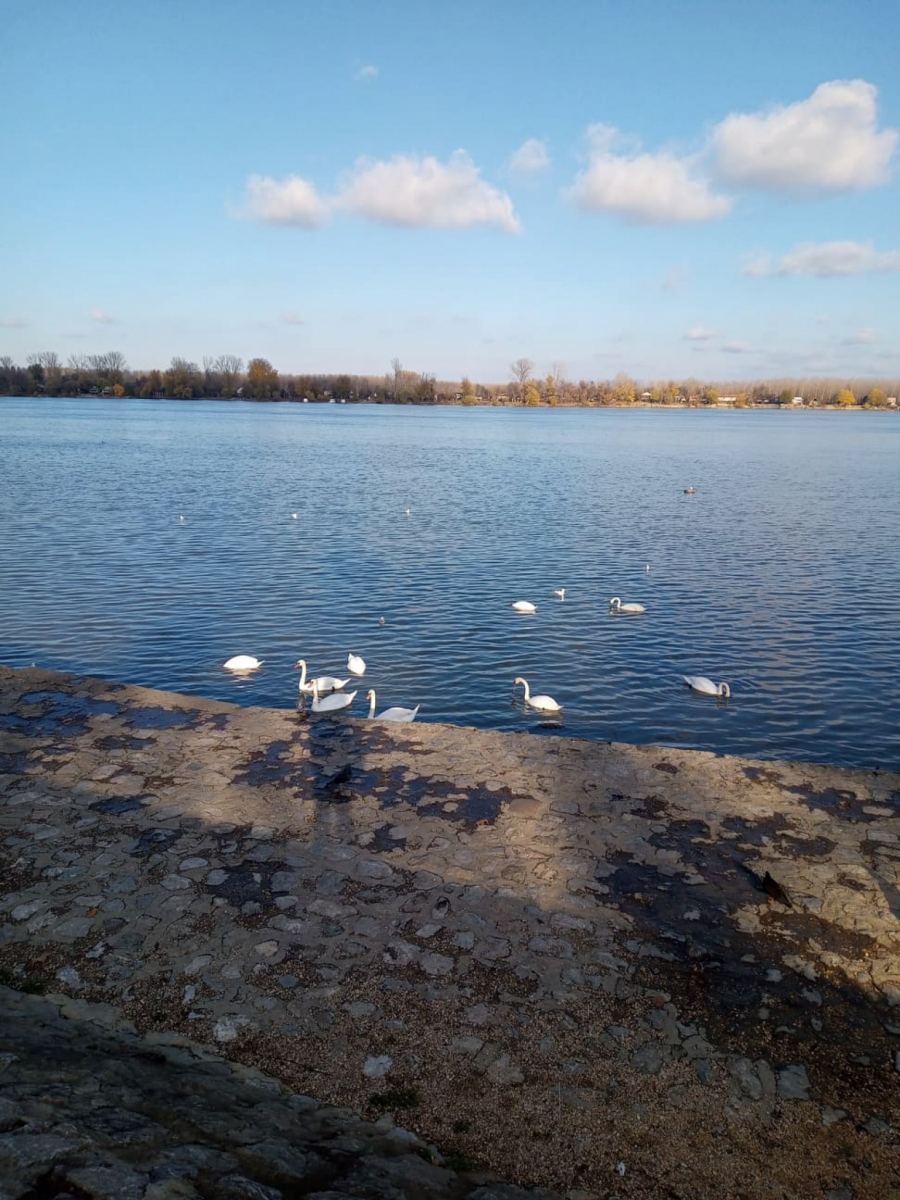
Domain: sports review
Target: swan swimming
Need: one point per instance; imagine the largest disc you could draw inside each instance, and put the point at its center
(293, 516)
(332, 703)
(561, 592)
(390, 714)
(356, 665)
(616, 605)
(541, 703)
(325, 683)
(242, 662)
(699, 683)
(524, 606)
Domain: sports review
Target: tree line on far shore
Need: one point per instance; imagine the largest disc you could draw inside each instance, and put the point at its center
(228, 377)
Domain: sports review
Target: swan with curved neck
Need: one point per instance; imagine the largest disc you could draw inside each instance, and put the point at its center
(325, 683)
(699, 683)
(333, 703)
(616, 605)
(390, 714)
(541, 703)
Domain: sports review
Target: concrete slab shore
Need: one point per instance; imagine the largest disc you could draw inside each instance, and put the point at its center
(565, 960)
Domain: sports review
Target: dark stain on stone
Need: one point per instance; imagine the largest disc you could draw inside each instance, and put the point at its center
(678, 834)
(667, 767)
(115, 805)
(758, 832)
(154, 841)
(764, 773)
(382, 842)
(123, 743)
(837, 801)
(157, 717)
(248, 881)
(801, 847)
(267, 768)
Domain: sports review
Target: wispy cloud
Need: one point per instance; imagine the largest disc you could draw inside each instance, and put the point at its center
(531, 158)
(862, 337)
(829, 142)
(643, 188)
(737, 348)
(700, 334)
(12, 322)
(293, 318)
(822, 259)
(367, 73)
(292, 201)
(101, 317)
(422, 192)
(675, 279)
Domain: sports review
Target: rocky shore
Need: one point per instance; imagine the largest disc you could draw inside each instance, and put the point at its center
(606, 970)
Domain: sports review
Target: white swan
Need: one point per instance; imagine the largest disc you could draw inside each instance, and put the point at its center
(243, 662)
(390, 714)
(541, 703)
(293, 516)
(356, 665)
(616, 605)
(325, 683)
(561, 592)
(332, 703)
(524, 606)
(699, 683)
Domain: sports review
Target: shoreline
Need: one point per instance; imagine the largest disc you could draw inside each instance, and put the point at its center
(559, 954)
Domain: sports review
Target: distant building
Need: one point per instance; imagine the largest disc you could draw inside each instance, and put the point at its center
(797, 402)
(892, 401)
(726, 400)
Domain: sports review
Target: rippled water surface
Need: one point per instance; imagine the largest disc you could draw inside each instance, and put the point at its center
(781, 575)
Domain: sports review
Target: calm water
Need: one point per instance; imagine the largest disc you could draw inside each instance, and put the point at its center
(781, 575)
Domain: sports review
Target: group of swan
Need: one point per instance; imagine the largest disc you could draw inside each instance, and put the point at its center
(615, 605)
(327, 691)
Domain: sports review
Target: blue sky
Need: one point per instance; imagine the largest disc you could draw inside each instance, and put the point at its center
(669, 189)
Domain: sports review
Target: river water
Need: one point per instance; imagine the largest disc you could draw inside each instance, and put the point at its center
(780, 575)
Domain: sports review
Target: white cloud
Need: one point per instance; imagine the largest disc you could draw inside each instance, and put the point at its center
(737, 348)
(829, 142)
(293, 201)
(531, 158)
(862, 337)
(826, 258)
(293, 318)
(12, 323)
(370, 71)
(699, 334)
(101, 317)
(643, 188)
(419, 192)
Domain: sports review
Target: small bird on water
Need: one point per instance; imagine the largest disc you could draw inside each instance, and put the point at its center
(381, 621)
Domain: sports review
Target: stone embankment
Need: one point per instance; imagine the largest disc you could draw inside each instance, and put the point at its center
(604, 969)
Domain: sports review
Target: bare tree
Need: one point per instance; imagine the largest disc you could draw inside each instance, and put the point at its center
(558, 374)
(397, 368)
(229, 367)
(6, 363)
(521, 370)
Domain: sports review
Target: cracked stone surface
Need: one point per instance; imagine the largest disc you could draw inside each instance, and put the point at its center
(88, 1108)
(567, 952)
